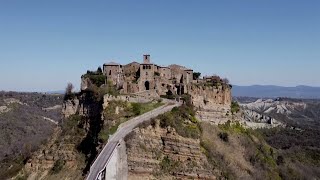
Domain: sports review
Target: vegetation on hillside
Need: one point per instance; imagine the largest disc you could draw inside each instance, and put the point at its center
(235, 107)
(299, 151)
(183, 120)
(235, 151)
(119, 112)
(23, 128)
(96, 77)
(239, 152)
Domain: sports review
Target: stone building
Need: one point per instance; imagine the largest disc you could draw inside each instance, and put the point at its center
(113, 71)
(150, 78)
(139, 77)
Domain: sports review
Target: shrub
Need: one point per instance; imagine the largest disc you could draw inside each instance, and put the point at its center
(96, 78)
(235, 108)
(224, 136)
(182, 120)
(73, 126)
(58, 166)
(168, 96)
(69, 94)
(168, 165)
(99, 70)
(196, 75)
(136, 108)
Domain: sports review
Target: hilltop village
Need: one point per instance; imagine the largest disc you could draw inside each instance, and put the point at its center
(152, 80)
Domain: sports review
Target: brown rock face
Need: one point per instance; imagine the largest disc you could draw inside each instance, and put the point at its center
(212, 103)
(70, 107)
(155, 153)
(43, 160)
(204, 97)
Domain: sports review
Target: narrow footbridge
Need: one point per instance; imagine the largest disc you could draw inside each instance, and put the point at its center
(99, 169)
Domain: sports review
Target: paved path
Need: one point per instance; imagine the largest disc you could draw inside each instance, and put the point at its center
(123, 130)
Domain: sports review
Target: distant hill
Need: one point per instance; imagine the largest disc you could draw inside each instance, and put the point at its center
(56, 92)
(305, 92)
(27, 120)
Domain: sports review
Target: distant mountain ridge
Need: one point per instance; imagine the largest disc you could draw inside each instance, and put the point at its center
(271, 91)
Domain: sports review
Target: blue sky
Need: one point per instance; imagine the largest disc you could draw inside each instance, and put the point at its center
(45, 44)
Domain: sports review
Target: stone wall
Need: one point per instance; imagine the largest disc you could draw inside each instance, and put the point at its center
(126, 98)
(112, 72)
(152, 94)
(176, 72)
(188, 76)
(117, 167)
(130, 70)
(165, 72)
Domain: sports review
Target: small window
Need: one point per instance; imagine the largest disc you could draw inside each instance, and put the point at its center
(110, 72)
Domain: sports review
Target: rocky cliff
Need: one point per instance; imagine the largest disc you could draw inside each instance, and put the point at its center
(58, 155)
(155, 152)
(204, 97)
(74, 146)
(211, 102)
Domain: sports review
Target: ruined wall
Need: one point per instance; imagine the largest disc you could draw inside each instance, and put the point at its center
(129, 87)
(176, 72)
(126, 98)
(130, 70)
(152, 94)
(165, 72)
(188, 76)
(112, 72)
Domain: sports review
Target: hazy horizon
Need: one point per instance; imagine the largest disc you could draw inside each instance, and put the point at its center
(45, 45)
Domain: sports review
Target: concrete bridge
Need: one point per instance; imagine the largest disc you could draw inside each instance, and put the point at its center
(111, 162)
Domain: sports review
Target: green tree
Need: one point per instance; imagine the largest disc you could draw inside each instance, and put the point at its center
(235, 108)
(196, 75)
(99, 70)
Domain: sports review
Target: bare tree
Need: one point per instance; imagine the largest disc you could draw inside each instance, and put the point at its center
(69, 89)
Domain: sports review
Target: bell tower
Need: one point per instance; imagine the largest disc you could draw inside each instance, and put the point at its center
(146, 59)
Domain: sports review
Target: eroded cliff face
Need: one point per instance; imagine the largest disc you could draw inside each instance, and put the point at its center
(69, 153)
(57, 153)
(154, 152)
(212, 103)
(204, 97)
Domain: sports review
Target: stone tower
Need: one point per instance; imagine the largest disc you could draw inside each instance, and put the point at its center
(146, 59)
